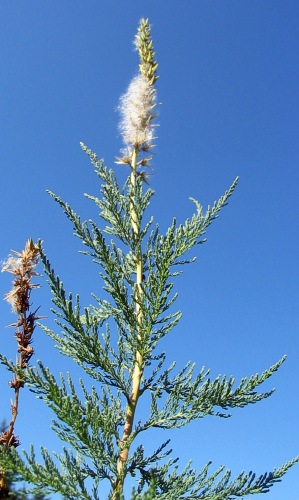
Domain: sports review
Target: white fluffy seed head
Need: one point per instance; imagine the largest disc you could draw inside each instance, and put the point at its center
(12, 265)
(136, 107)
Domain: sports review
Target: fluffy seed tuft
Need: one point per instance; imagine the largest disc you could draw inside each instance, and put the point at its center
(136, 108)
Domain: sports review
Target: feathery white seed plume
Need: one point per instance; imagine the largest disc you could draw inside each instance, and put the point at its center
(136, 108)
(12, 265)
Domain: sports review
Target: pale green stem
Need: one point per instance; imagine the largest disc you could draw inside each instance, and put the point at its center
(138, 366)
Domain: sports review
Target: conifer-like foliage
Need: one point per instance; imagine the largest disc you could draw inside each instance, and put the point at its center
(116, 341)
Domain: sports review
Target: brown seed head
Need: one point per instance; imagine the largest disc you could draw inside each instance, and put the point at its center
(22, 267)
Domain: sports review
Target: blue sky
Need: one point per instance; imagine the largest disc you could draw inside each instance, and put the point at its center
(229, 106)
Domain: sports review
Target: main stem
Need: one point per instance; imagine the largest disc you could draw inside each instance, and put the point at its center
(138, 364)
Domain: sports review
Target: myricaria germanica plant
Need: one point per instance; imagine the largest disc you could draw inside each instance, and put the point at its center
(116, 341)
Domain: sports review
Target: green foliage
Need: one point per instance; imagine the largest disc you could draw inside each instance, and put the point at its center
(10, 491)
(110, 342)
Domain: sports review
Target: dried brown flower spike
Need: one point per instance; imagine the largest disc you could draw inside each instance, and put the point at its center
(23, 268)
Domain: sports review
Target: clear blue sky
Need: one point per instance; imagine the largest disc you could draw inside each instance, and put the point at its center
(229, 98)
